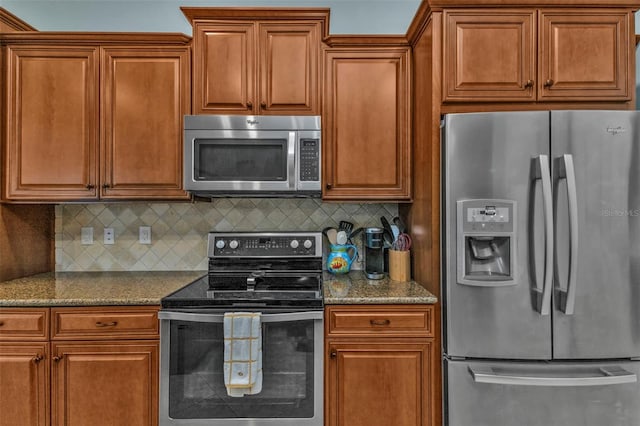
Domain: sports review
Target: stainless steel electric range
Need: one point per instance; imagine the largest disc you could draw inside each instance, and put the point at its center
(277, 274)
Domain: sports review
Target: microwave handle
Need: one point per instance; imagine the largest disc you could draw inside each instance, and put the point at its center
(206, 317)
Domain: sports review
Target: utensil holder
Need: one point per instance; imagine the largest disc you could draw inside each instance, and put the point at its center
(400, 265)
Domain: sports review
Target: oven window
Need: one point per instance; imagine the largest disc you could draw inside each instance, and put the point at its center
(196, 383)
(240, 159)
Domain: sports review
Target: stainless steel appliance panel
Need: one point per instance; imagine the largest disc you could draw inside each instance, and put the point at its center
(596, 171)
(499, 156)
(542, 394)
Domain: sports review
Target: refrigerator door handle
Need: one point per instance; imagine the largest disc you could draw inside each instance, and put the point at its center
(543, 173)
(600, 376)
(567, 171)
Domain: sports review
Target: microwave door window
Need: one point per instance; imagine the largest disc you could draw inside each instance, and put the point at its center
(241, 160)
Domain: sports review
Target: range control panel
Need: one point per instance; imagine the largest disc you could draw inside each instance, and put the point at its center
(242, 244)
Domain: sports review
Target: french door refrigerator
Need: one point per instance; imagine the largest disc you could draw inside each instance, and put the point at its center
(541, 268)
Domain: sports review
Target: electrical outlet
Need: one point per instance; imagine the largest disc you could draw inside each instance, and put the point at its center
(109, 236)
(86, 235)
(144, 235)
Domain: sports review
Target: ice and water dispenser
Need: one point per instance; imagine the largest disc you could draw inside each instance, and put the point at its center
(486, 242)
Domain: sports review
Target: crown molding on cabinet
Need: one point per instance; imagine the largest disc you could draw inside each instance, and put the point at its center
(91, 38)
(7, 19)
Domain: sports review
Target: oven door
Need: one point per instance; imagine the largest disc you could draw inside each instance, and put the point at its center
(192, 390)
(240, 160)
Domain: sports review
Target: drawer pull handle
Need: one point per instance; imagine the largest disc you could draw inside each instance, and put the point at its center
(57, 358)
(383, 322)
(37, 359)
(106, 324)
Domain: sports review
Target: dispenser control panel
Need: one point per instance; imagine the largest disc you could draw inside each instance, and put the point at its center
(485, 215)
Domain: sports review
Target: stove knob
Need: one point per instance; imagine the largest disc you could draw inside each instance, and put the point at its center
(233, 244)
(307, 244)
(220, 244)
(294, 244)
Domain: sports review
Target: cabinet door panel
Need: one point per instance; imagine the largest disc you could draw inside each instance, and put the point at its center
(289, 58)
(105, 384)
(224, 69)
(367, 125)
(489, 55)
(584, 55)
(378, 384)
(24, 384)
(52, 123)
(145, 96)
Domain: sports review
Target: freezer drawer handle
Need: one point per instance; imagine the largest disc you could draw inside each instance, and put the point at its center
(543, 173)
(613, 375)
(567, 171)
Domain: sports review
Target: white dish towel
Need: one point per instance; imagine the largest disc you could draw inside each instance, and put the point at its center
(242, 353)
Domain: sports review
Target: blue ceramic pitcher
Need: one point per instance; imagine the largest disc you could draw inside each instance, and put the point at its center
(338, 260)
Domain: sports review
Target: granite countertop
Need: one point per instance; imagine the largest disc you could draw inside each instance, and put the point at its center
(94, 288)
(355, 288)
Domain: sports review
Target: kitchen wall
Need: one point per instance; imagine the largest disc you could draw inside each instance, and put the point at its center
(347, 16)
(179, 229)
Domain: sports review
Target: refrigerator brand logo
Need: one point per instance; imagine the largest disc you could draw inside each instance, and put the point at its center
(611, 212)
(616, 130)
(252, 122)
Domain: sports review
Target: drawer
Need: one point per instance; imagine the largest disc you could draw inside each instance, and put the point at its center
(24, 324)
(384, 320)
(104, 323)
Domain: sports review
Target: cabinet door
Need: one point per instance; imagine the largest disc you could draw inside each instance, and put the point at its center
(224, 68)
(378, 384)
(145, 94)
(24, 384)
(585, 55)
(367, 124)
(489, 55)
(289, 67)
(52, 128)
(105, 384)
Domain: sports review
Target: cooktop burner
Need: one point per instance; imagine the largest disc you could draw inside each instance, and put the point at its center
(270, 270)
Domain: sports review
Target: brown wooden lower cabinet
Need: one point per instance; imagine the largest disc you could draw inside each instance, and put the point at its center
(105, 383)
(99, 367)
(378, 375)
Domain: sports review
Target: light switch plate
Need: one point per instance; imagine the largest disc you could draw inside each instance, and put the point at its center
(86, 235)
(109, 236)
(144, 235)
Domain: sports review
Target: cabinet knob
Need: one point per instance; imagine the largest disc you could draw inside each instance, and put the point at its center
(106, 186)
(263, 105)
(1, 323)
(249, 105)
(90, 186)
(376, 322)
(57, 358)
(528, 84)
(333, 354)
(329, 186)
(37, 359)
(548, 83)
(106, 324)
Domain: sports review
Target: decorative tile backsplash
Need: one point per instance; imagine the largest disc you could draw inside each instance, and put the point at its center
(178, 230)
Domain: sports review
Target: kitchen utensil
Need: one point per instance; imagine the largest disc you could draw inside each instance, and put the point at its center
(331, 234)
(341, 237)
(388, 232)
(396, 232)
(354, 234)
(402, 243)
(345, 226)
(400, 224)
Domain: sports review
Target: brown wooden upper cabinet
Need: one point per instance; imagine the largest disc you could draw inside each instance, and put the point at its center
(88, 122)
(257, 61)
(526, 55)
(366, 128)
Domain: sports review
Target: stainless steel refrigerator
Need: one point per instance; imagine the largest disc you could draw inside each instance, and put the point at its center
(541, 268)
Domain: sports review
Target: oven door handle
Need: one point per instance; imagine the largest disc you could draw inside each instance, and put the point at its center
(205, 317)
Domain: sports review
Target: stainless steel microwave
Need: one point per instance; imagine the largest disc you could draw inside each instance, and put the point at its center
(233, 155)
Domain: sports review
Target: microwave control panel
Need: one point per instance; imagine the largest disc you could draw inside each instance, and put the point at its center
(309, 160)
